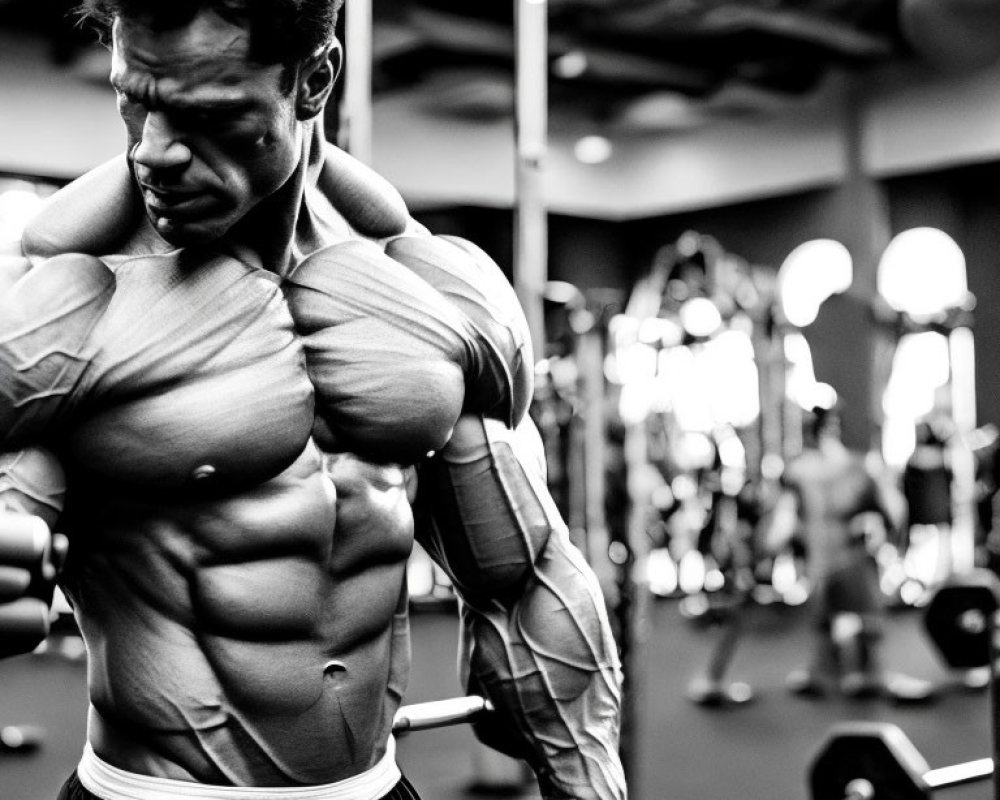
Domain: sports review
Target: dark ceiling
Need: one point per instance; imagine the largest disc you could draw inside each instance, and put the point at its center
(612, 61)
(607, 56)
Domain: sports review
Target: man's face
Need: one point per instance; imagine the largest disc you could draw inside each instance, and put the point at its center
(210, 133)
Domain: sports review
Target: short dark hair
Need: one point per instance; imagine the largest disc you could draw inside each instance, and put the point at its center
(281, 31)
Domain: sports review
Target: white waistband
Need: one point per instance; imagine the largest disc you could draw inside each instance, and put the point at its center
(111, 783)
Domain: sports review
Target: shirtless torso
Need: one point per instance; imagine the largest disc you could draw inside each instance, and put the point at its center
(244, 450)
(238, 589)
(832, 486)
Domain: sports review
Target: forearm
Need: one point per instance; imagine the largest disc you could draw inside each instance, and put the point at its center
(550, 666)
(536, 635)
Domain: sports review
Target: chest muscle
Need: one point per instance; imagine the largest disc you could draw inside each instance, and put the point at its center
(197, 374)
(388, 355)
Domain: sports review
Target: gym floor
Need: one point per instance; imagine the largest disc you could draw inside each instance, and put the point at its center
(758, 751)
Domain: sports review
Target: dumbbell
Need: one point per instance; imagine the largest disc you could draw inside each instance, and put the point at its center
(876, 761)
(438, 713)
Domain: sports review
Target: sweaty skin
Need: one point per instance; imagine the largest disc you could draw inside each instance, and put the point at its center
(243, 387)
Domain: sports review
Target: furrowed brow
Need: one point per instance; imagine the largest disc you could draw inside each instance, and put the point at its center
(205, 103)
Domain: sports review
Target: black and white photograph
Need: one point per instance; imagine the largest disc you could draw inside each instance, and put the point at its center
(525, 399)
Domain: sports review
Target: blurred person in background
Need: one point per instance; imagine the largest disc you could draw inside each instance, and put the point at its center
(927, 487)
(827, 492)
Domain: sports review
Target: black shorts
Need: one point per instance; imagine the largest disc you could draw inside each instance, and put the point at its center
(74, 790)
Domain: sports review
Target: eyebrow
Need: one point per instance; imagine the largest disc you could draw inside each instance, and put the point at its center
(204, 104)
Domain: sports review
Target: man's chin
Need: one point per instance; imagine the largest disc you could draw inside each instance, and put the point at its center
(185, 233)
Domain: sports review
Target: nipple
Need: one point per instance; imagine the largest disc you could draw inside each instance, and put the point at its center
(330, 667)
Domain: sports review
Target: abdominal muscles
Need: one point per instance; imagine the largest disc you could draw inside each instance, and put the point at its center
(253, 639)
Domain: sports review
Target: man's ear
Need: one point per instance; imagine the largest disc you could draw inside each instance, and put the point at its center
(317, 75)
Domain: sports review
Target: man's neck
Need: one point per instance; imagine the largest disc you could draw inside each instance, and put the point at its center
(281, 229)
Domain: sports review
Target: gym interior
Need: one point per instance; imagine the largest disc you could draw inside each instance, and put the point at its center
(723, 219)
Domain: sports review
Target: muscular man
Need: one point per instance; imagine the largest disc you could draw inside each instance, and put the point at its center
(827, 489)
(240, 379)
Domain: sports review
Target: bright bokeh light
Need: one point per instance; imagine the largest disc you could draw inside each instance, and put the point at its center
(570, 65)
(17, 206)
(592, 149)
(898, 441)
(695, 450)
(688, 389)
(700, 317)
(810, 274)
(636, 363)
(801, 386)
(563, 292)
(922, 272)
(730, 379)
(732, 453)
(784, 575)
(823, 395)
(797, 350)
(633, 401)
(714, 579)
(661, 572)
(659, 330)
(691, 572)
(772, 466)
(920, 367)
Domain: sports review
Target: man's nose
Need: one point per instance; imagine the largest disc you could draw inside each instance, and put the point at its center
(160, 147)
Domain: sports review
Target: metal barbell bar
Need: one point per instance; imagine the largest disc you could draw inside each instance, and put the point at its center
(439, 713)
(876, 761)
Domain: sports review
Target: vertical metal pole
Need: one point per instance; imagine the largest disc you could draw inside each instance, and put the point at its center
(995, 700)
(634, 600)
(961, 357)
(770, 355)
(576, 471)
(530, 136)
(861, 214)
(791, 411)
(355, 134)
(590, 361)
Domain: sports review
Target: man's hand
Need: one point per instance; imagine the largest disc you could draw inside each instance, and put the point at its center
(29, 557)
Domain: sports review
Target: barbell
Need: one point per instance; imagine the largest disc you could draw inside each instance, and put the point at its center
(959, 618)
(877, 761)
(438, 713)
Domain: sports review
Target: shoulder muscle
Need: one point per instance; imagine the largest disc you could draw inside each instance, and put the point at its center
(367, 201)
(473, 282)
(45, 322)
(94, 214)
